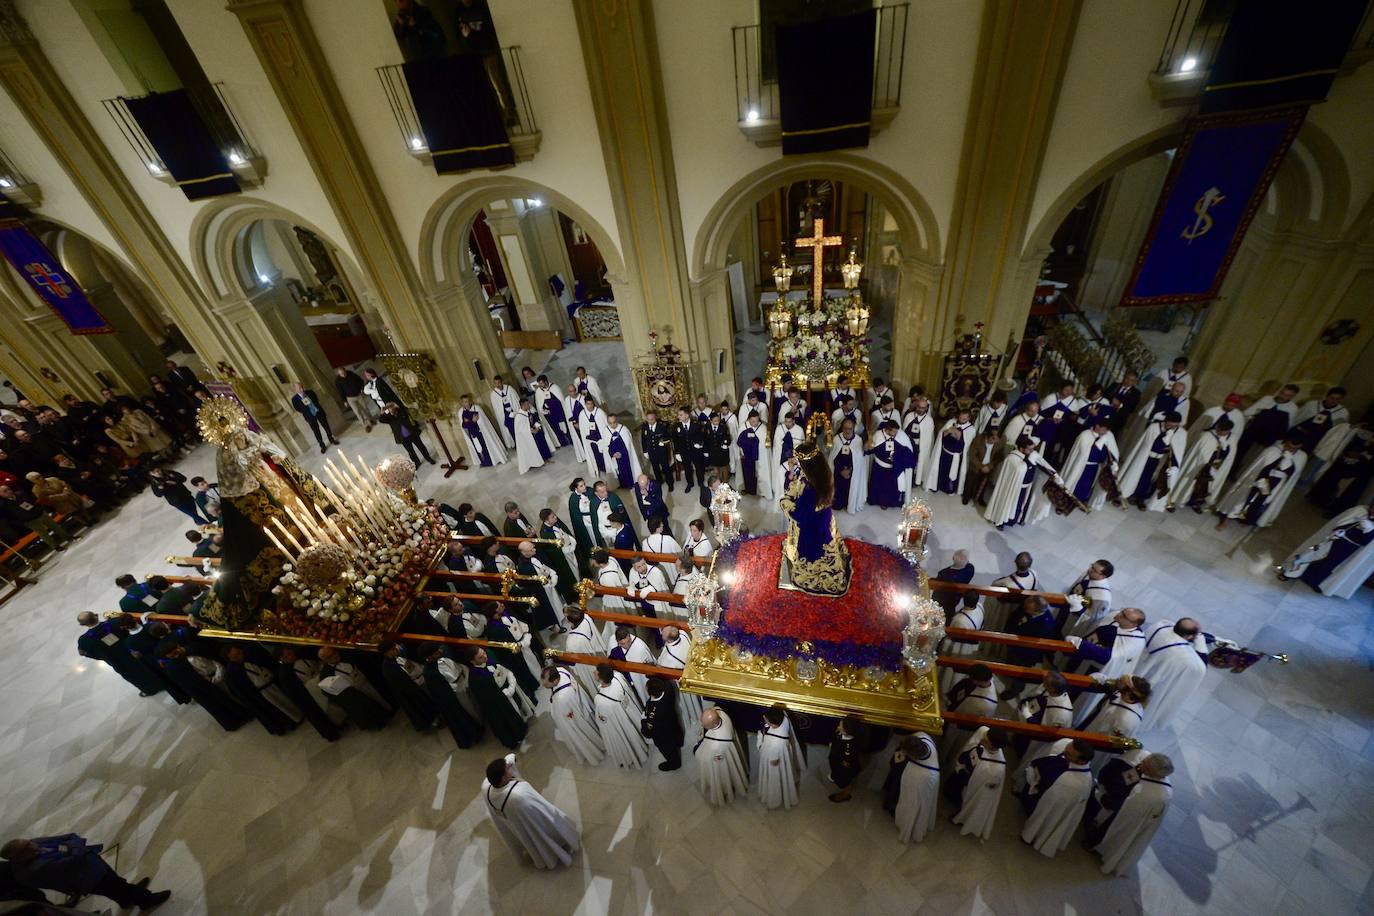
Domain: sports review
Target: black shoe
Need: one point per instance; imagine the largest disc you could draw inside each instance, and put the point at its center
(143, 882)
(668, 769)
(689, 489)
(432, 461)
(323, 449)
(156, 900)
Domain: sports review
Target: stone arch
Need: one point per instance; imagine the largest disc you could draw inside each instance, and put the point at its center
(443, 234)
(920, 232)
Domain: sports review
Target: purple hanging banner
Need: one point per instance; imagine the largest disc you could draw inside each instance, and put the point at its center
(54, 285)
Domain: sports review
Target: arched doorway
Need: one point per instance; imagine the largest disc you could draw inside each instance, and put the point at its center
(1089, 239)
(539, 275)
(887, 222)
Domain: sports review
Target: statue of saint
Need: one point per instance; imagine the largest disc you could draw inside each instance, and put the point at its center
(815, 558)
(257, 482)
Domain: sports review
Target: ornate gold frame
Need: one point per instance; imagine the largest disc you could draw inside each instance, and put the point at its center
(899, 700)
(416, 378)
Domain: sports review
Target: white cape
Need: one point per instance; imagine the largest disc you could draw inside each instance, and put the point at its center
(528, 823)
(499, 400)
(1077, 462)
(1056, 817)
(918, 799)
(925, 454)
(960, 461)
(674, 655)
(527, 454)
(541, 397)
(719, 764)
(779, 765)
(983, 793)
(1135, 823)
(1173, 668)
(594, 448)
(574, 720)
(1139, 455)
(778, 475)
(1007, 487)
(619, 730)
(495, 450)
(1345, 580)
(1231, 504)
(858, 480)
(1199, 455)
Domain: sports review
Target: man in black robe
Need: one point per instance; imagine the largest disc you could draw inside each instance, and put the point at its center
(844, 758)
(405, 678)
(500, 713)
(176, 664)
(104, 640)
(289, 680)
(340, 680)
(497, 631)
(661, 723)
(466, 730)
(142, 645)
(249, 695)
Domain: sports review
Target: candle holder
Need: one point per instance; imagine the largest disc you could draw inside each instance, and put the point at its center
(921, 637)
(851, 270)
(725, 514)
(703, 610)
(913, 529)
(782, 275)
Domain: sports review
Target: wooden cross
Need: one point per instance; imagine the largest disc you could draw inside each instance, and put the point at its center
(818, 243)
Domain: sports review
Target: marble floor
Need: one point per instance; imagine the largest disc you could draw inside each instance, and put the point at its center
(1273, 809)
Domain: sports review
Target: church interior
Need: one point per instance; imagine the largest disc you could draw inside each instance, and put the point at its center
(629, 456)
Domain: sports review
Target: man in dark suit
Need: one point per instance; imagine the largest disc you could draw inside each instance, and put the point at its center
(718, 447)
(708, 489)
(1128, 393)
(69, 865)
(182, 377)
(656, 442)
(690, 452)
(306, 403)
(649, 498)
(661, 723)
(405, 431)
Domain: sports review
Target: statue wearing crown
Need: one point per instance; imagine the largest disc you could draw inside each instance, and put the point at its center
(815, 559)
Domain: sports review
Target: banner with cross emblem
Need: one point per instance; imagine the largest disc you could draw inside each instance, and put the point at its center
(55, 286)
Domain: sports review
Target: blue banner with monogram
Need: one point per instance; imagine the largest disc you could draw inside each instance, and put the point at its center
(54, 285)
(1217, 182)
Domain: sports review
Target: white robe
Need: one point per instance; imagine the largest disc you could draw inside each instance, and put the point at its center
(1174, 668)
(1267, 402)
(877, 418)
(541, 396)
(732, 424)
(959, 462)
(981, 701)
(779, 765)
(575, 427)
(574, 719)
(527, 454)
(983, 793)
(1330, 446)
(919, 795)
(638, 652)
(495, 449)
(1100, 591)
(1077, 462)
(720, 766)
(702, 548)
(1233, 503)
(1115, 717)
(617, 719)
(1051, 826)
(837, 418)
(585, 640)
(674, 655)
(528, 823)
(797, 435)
(592, 388)
(1013, 429)
(1345, 580)
(1007, 489)
(585, 422)
(965, 618)
(1058, 713)
(1136, 821)
(745, 408)
(926, 454)
(611, 576)
(1200, 454)
(858, 479)
(664, 543)
(787, 409)
(995, 616)
(1175, 443)
(1211, 415)
(499, 401)
(986, 415)
(1127, 645)
(628, 440)
(651, 580)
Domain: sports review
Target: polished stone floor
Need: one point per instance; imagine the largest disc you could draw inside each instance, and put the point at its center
(1272, 810)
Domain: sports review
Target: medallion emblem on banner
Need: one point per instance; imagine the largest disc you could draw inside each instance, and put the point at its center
(1204, 223)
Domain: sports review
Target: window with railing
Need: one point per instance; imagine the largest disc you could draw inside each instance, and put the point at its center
(1197, 28)
(15, 185)
(756, 81)
(224, 127)
(512, 95)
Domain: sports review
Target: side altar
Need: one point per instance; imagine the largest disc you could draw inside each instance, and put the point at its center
(823, 624)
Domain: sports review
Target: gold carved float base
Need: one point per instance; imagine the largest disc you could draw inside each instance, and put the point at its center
(895, 699)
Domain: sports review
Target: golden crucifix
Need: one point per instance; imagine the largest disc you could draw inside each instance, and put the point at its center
(818, 243)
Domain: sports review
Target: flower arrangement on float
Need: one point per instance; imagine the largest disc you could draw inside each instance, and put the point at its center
(360, 563)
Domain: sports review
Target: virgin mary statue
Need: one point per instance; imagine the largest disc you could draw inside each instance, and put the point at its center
(815, 559)
(257, 482)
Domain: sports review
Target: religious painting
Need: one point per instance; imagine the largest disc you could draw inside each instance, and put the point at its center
(416, 379)
(967, 383)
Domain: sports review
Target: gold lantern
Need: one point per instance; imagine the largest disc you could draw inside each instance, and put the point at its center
(782, 276)
(851, 270)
